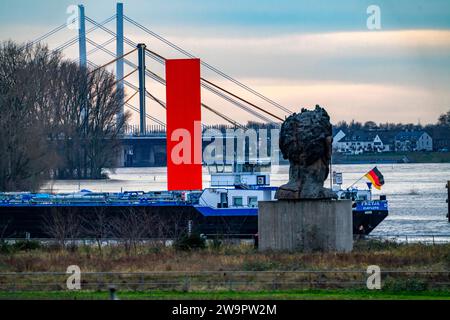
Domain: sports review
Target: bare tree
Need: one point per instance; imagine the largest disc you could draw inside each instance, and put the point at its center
(88, 126)
(62, 226)
(133, 226)
(55, 118)
(97, 225)
(24, 93)
(174, 225)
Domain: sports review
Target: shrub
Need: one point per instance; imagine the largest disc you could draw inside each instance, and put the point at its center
(256, 265)
(216, 244)
(27, 245)
(375, 245)
(189, 242)
(405, 285)
(154, 250)
(6, 248)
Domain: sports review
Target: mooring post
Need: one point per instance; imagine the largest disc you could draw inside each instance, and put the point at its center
(82, 36)
(119, 63)
(141, 66)
(113, 293)
(448, 200)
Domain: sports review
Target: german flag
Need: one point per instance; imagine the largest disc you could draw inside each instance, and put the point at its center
(375, 177)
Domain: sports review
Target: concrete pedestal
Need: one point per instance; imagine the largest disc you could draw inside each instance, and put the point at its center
(305, 225)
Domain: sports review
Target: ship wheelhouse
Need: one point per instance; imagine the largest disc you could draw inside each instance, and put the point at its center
(238, 186)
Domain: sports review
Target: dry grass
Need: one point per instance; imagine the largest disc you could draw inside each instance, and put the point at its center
(235, 257)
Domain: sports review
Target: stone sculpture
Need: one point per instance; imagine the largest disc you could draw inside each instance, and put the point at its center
(306, 140)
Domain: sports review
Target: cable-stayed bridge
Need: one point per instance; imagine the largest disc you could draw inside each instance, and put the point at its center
(145, 142)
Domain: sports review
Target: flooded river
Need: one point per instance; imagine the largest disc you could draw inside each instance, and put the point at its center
(416, 192)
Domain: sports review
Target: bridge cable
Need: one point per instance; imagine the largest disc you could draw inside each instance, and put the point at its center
(131, 64)
(115, 82)
(48, 34)
(66, 45)
(161, 60)
(97, 47)
(212, 68)
(230, 93)
(128, 104)
(126, 40)
(146, 115)
(162, 81)
(131, 97)
(75, 39)
(242, 99)
(236, 103)
(155, 77)
(114, 60)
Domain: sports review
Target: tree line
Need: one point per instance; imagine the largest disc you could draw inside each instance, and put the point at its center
(57, 119)
(443, 121)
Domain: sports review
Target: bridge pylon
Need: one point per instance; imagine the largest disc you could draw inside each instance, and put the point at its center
(82, 36)
(120, 62)
(142, 91)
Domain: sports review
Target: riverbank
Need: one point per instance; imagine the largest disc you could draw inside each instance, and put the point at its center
(225, 271)
(218, 257)
(392, 157)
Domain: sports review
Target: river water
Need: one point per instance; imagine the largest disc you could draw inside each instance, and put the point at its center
(416, 192)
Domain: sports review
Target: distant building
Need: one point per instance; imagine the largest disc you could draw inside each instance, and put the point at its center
(413, 141)
(441, 138)
(361, 141)
(388, 138)
(337, 136)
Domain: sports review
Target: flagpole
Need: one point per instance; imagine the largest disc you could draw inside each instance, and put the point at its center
(331, 171)
(356, 181)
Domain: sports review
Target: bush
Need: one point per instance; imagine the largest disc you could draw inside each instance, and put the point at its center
(190, 242)
(20, 245)
(216, 244)
(6, 248)
(256, 265)
(405, 285)
(27, 245)
(374, 245)
(154, 250)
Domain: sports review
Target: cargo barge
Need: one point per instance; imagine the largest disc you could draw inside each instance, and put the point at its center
(228, 207)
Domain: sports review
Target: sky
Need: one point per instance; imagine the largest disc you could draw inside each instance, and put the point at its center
(298, 53)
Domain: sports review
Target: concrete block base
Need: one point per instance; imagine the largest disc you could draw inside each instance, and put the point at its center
(305, 225)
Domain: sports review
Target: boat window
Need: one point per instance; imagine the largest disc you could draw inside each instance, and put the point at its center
(253, 202)
(223, 198)
(237, 202)
(261, 180)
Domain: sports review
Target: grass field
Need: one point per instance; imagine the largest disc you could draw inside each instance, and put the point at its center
(235, 295)
(388, 255)
(228, 271)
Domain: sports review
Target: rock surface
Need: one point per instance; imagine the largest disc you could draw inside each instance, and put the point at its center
(306, 140)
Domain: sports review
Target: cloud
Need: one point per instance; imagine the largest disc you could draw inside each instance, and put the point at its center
(388, 75)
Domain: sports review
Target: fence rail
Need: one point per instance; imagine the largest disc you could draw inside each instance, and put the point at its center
(413, 238)
(408, 238)
(224, 280)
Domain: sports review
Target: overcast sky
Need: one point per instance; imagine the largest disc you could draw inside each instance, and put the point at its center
(298, 53)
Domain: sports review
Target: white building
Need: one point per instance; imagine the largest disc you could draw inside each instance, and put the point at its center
(361, 141)
(413, 141)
